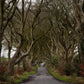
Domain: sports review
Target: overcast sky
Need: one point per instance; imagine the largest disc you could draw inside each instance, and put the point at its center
(19, 4)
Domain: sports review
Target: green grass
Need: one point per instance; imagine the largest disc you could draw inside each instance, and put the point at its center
(59, 77)
(18, 81)
(35, 68)
(4, 59)
(72, 79)
(24, 76)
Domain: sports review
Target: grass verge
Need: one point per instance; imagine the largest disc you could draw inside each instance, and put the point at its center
(23, 77)
(72, 79)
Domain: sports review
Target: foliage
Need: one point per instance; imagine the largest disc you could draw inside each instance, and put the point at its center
(20, 71)
(72, 79)
(23, 77)
(61, 70)
(68, 69)
(54, 61)
(82, 70)
(34, 68)
(3, 72)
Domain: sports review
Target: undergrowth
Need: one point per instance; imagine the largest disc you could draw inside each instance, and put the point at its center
(72, 79)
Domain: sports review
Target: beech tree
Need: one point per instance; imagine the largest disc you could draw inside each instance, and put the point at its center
(79, 16)
(46, 30)
(15, 58)
(6, 16)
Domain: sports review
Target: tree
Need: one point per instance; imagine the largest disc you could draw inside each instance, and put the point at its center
(15, 58)
(5, 19)
(79, 16)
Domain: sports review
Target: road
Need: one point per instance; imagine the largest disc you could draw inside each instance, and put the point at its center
(42, 77)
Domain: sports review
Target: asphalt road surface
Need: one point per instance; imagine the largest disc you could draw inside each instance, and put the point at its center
(42, 77)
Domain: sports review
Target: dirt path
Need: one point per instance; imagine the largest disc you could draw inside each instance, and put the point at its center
(42, 77)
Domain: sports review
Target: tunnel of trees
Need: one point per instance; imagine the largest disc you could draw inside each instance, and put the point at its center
(37, 31)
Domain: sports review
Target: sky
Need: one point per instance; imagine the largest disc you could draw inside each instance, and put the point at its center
(19, 4)
(4, 51)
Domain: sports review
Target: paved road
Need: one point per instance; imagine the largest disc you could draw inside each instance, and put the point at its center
(43, 77)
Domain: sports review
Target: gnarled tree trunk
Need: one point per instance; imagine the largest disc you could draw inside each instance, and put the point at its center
(0, 44)
(24, 64)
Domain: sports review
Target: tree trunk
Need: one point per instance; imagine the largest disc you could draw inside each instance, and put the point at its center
(16, 55)
(29, 66)
(11, 68)
(9, 52)
(12, 61)
(81, 49)
(82, 42)
(1, 25)
(66, 53)
(18, 66)
(79, 16)
(24, 64)
(0, 32)
(29, 63)
(0, 44)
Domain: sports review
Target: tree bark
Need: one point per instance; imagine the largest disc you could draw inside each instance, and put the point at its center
(16, 55)
(79, 16)
(0, 44)
(18, 66)
(29, 64)
(67, 59)
(1, 25)
(9, 52)
(12, 61)
(81, 49)
(11, 68)
(24, 64)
